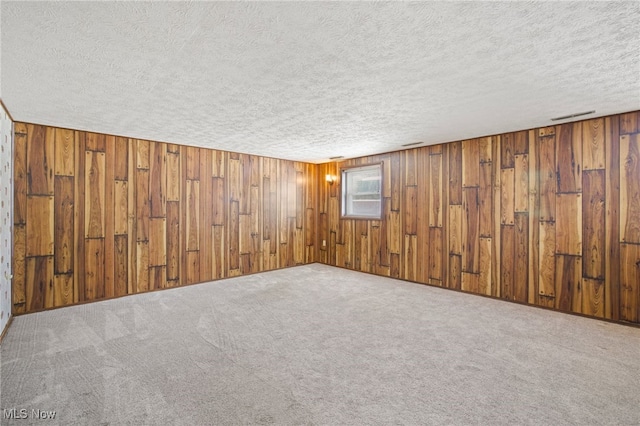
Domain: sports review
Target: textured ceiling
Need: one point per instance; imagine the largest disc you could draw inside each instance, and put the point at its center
(309, 80)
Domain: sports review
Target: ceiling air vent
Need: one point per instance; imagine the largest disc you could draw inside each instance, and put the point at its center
(412, 143)
(336, 158)
(578, 114)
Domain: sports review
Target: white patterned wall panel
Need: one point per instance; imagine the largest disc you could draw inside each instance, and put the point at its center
(6, 205)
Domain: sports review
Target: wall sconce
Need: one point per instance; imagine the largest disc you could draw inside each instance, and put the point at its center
(330, 179)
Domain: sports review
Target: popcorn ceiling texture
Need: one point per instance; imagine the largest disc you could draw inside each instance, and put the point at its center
(6, 205)
(310, 80)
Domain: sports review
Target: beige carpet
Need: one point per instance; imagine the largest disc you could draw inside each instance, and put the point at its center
(317, 345)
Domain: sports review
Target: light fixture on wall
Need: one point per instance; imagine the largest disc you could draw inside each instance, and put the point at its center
(330, 179)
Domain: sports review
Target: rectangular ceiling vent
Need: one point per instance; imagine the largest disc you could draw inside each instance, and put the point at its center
(336, 158)
(578, 114)
(412, 143)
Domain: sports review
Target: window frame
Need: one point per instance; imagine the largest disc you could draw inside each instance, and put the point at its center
(344, 188)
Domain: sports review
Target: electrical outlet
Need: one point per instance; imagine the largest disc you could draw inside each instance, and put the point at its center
(324, 243)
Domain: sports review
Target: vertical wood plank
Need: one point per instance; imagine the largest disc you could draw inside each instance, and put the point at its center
(95, 142)
(121, 159)
(62, 289)
(569, 157)
(470, 163)
(593, 149)
(435, 254)
(470, 231)
(173, 240)
(521, 182)
(547, 268)
(569, 283)
(142, 154)
(593, 224)
(485, 200)
(521, 260)
(455, 272)
(39, 279)
(120, 207)
(157, 179)
(234, 236)
(63, 237)
(40, 225)
(94, 194)
(121, 265)
(507, 151)
(630, 188)
(484, 277)
(455, 173)
(18, 288)
(94, 270)
(612, 219)
(507, 263)
(40, 160)
(455, 229)
(142, 264)
(142, 204)
(569, 224)
(435, 190)
(64, 154)
(507, 185)
(173, 176)
(193, 215)
(630, 282)
(547, 173)
(593, 297)
(157, 242)
(20, 174)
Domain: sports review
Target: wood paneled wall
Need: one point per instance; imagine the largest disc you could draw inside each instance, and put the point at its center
(99, 216)
(548, 217)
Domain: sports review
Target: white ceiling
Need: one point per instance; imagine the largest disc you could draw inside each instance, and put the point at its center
(312, 80)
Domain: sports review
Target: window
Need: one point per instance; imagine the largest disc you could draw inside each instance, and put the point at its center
(362, 192)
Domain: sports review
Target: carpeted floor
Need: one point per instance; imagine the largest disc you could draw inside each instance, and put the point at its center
(317, 345)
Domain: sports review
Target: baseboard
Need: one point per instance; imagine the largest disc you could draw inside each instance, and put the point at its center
(4, 332)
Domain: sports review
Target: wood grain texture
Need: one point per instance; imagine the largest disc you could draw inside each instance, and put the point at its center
(547, 176)
(630, 188)
(94, 190)
(40, 160)
(569, 283)
(593, 148)
(119, 216)
(593, 224)
(39, 278)
(521, 183)
(470, 231)
(63, 236)
(569, 157)
(64, 152)
(94, 269)
(569, 224)
(40, 225)
(630, 282)
(507, 204)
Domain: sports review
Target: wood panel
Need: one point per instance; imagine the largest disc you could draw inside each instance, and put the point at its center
(630, 188)
(63, 237)
(64, 152)
(569, 157)
(593, 224)
(40, 160)
(116, 216)
(569, 224)
(40, 225)
(630, 282)
(593, 145)
(94, 191)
